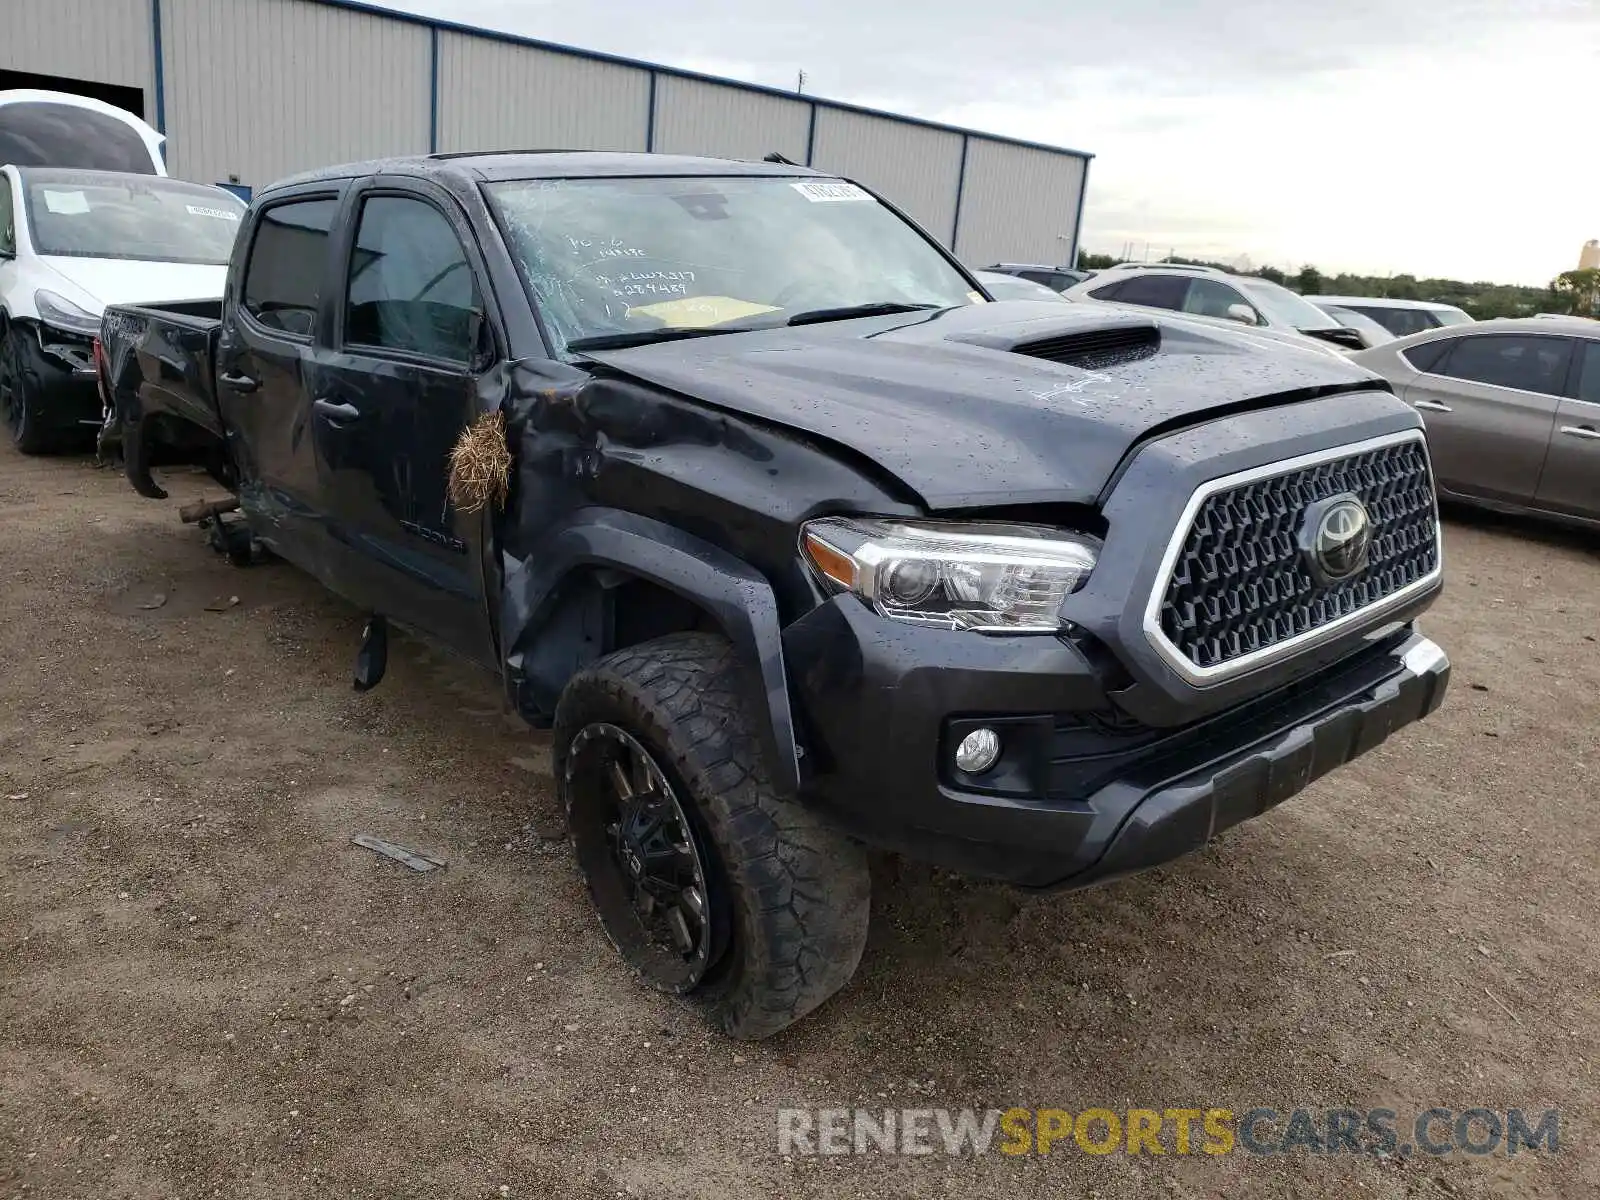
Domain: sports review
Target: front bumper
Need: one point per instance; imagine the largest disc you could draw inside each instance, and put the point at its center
(1083, 793)
(62, 381)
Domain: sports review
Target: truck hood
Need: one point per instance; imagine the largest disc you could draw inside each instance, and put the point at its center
(97, 282)
(945, 402)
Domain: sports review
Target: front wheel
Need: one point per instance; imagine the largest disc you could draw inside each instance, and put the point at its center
(18, 406)
(709, 883)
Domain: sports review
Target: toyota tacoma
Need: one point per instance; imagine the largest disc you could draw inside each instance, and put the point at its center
(798, 542)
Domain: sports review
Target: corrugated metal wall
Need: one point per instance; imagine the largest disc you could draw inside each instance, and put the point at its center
(1018, 205)
(102, 41)
(498, 96)
(916, 167)
(727, 122)
(265, 88)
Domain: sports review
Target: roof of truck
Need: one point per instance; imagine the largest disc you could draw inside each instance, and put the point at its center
(489, 165)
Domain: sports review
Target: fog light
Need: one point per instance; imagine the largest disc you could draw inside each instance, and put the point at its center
(978, 751)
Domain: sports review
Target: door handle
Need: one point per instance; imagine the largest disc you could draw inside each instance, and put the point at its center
(1433, 406)
(238, 383)
(339, 414)
(1582, 431)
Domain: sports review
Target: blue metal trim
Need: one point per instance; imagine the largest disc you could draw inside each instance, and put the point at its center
(495, 35)
(811, 135)
(160, 73)
(1077, 228)
(433, 91)
(650, 117)
(961, 187)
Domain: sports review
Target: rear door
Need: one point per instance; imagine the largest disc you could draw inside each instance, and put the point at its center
(398, 384)
(264, 355)
(1489, 405)
(1571, 480)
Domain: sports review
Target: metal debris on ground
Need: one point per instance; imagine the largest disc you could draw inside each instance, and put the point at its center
(417, 860)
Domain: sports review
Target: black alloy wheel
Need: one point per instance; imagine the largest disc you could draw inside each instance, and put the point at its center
(639, 847)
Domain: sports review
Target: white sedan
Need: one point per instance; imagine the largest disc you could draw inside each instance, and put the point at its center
(72, 242)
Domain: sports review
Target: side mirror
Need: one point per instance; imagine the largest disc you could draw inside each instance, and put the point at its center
(1242, 313)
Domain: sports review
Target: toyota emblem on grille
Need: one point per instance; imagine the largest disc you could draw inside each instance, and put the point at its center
(1335, 538)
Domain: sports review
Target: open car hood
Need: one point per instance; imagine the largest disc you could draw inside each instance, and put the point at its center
(949, 404)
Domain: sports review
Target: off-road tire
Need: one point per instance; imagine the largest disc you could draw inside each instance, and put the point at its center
(797, 890)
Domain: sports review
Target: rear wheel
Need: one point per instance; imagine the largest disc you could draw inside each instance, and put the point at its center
(709, 884)
(18, 405)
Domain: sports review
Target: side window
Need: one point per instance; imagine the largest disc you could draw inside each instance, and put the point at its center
(1154, 291)
(288, 259)
(1110, 292)
(8, 227)
(1589, 382)
(1427, 356)
(1208, 298)
(411, 287)
(1530, 364)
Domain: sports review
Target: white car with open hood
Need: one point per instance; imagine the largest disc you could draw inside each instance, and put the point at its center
(72, 242)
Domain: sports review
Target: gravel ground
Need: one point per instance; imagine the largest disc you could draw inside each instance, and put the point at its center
(206, 990)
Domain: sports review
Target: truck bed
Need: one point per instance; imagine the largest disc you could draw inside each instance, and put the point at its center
(159, 365)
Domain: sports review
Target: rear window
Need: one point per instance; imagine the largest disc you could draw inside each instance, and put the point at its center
(288, 260)
(40, 134)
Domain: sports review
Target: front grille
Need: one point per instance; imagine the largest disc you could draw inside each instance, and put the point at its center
(1240, 584)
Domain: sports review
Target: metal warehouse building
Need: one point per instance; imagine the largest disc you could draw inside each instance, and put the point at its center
(258, 89)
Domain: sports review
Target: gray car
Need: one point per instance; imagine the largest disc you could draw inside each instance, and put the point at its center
(1512, 409)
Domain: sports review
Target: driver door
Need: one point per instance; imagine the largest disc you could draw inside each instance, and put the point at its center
(394, 389)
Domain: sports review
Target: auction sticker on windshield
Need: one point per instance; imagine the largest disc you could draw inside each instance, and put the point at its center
(200, 210)
(820, 190)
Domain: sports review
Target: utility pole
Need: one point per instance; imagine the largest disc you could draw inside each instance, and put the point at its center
(800, 82)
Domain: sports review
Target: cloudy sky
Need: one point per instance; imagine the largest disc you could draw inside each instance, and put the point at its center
(1453, 137)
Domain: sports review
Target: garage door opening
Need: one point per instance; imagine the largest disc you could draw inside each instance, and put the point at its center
(129, 99)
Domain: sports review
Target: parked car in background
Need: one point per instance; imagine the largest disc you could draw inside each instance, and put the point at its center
(805, 547)
(1372, 334)
(1207, 294)
(58, 129)
(1056, 278)
(1015, 287)
(72, 242)
(1512, 409)
(1400, 317)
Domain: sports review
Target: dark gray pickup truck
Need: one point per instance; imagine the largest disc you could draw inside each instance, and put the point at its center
(804, 544)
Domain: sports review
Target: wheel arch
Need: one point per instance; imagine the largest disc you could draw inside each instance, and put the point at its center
(607, 579)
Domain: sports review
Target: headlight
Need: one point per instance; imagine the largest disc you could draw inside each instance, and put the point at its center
(62, 313)
(984, 578)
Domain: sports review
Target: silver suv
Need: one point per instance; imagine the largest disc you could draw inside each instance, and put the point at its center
(1208, 294)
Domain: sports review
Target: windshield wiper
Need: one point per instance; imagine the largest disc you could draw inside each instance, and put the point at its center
(644, 337)
(876, 309)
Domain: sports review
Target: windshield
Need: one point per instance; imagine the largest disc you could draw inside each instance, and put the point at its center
(608, 257)
(83, 214)
(1452, 316)
(1282, 307)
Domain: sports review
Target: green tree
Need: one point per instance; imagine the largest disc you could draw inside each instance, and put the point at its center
(1309, 282)
(1578, 291)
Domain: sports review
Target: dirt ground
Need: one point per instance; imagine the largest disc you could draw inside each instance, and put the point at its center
(207, 990)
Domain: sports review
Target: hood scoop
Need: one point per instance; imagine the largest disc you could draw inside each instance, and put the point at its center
(1096, 349)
